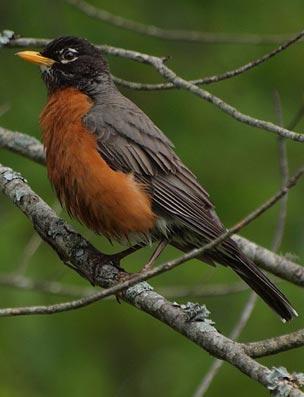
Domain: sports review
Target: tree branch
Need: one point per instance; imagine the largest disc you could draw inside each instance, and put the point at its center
(50, 287)
(225, 107)
(28, 42)
(189, 320)
(173, 34)
(278, 265)
(178, 82)
(56, 288)
(278, 236)
(15, 187)
(273, 263)
(77, 253)
(214, 78)
(275, 345)
(23, 144)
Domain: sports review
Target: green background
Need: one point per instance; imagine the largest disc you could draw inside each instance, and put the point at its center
(108, 349)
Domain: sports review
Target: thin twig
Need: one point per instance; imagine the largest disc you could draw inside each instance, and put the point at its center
(81, 256)
(178, 82)
(157, 270)
(278, 236)
(174, 34)
(57, 288)
(275, 345)
(225, 107)
(215, 343)
(50, 287)
(140, 57)
(90, 296)
(214, 78)
(279, 265)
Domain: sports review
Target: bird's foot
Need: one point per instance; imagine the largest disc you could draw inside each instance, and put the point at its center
(148, 266)
(158, 250)
(115, 259)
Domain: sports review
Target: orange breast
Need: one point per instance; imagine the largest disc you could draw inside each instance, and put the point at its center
(107, 201)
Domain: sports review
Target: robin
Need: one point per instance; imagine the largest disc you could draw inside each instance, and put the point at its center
(116, 172)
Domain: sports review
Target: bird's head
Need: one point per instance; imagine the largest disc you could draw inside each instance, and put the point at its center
(70, 62)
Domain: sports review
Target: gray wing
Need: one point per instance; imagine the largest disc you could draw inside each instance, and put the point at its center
(130, 142)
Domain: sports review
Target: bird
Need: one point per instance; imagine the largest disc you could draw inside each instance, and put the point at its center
(115, 171)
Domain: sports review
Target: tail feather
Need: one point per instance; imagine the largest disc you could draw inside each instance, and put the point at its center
(252, 276)
(261, 284)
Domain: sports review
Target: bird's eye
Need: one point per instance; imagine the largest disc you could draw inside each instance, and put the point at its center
(69, 55)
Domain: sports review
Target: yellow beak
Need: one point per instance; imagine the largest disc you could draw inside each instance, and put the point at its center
(35, 57)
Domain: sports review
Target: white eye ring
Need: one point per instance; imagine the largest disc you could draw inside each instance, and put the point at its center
(69, 55)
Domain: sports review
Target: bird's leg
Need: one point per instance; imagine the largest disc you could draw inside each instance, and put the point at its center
(158, 250)
(127, 276)
(122, 254)
(116, 258)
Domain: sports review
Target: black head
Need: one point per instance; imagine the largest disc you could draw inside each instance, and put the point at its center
(70, 61)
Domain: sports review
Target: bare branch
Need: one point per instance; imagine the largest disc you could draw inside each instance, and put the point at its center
(275, 345)
(278, 236)
(56, 288)
(168, 74)
(22, 144)
(189, 320)
(296, 339)
(70, 305)
(225, 107)
(245, 315)
(10, 144)
(174, 34)
(51, 287)
(19, 189)
(178, 82)
(90, 296)
(215, 78)
(280, 266)
(135, 56)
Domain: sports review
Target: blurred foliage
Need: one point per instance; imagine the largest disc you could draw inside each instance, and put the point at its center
(109, 349)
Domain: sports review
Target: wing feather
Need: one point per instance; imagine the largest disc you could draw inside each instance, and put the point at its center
(130, 142)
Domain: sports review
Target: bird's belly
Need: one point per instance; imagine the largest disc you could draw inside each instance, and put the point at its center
(113, 205)
(108, 202)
